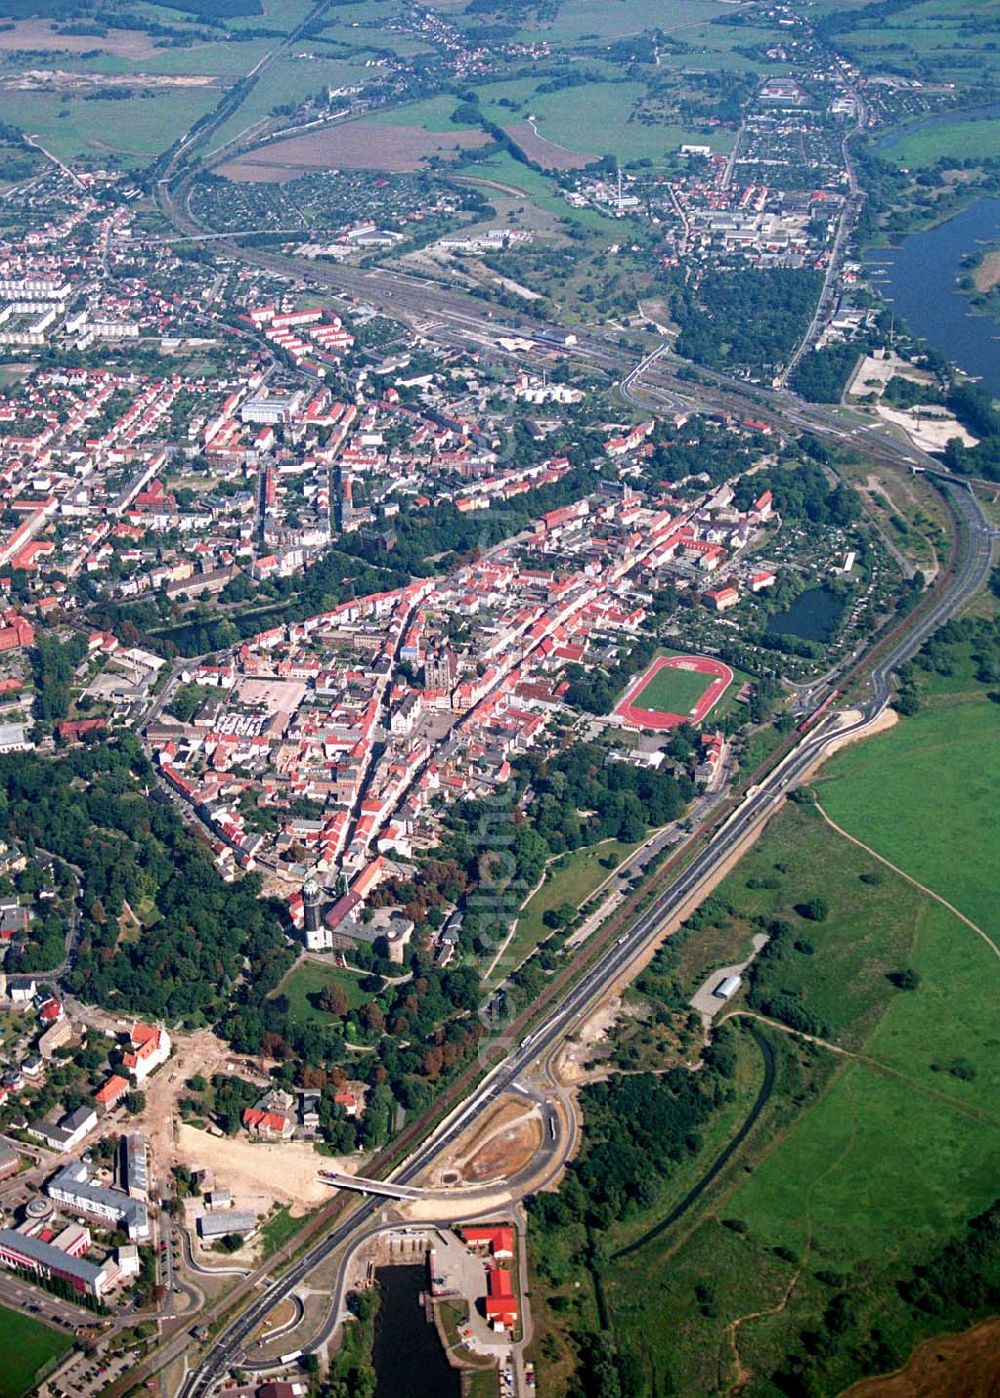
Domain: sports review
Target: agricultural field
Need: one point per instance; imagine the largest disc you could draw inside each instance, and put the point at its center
(288, 81)
(577, 20)
(356, 145)
(595, 119)
(70, 127)
(590, 120)
(433, 114)
(935, 41)
(28, 1346)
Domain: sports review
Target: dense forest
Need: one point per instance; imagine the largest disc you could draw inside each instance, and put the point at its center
(822, 375)
(94, 807)
(751, 320)
(974, 408)
(803, 493)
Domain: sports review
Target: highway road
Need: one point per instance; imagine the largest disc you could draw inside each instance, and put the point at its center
(661, 382)
(618, 960)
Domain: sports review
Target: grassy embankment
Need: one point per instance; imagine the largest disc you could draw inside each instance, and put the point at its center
(878, 1144)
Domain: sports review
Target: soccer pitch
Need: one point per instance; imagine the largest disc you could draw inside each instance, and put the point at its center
(672, 691)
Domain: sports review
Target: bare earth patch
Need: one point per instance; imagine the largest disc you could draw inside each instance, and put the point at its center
(928, 429)
(507, 1154)
(575, 1064)
(500, 1146)
(949, 1366)
(357, 145)
(545, 153)
(57, 80)
(284, 1172)
(201, 1052)
(39, 34)
(987, 274)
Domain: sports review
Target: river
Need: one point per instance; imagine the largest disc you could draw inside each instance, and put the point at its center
(407, 1355)
(920, 279)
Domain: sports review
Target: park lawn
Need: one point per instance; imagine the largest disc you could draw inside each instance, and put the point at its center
(925, 797)
(672, 691)
(25, 1346)
(572, 879)
(484, 1383)
(305, 984)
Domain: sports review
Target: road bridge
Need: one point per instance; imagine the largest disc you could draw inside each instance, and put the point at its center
(384, 1188)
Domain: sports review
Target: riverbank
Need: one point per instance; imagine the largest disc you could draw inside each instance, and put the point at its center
(981, 285)
(921, 279)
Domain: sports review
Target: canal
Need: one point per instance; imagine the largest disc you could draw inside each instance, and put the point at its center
(920, 280)
(407, 1355)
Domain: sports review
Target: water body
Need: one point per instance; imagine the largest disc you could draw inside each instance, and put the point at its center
(920, 279)
(813, 616)
(407, 1355)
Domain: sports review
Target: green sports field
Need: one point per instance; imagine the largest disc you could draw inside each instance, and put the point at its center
(25, 1346)
(672, 691)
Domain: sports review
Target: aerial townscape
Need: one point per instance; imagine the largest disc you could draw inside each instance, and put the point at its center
(499, 698)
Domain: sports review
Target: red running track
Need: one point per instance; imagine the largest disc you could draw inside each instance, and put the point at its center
(636, 717)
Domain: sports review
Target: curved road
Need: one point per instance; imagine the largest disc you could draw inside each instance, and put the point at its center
(757, 807)
(463, 316)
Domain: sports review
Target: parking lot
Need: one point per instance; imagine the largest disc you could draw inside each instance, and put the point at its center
(85, 1376)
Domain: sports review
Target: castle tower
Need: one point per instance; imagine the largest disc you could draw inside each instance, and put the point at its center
(315, 933)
